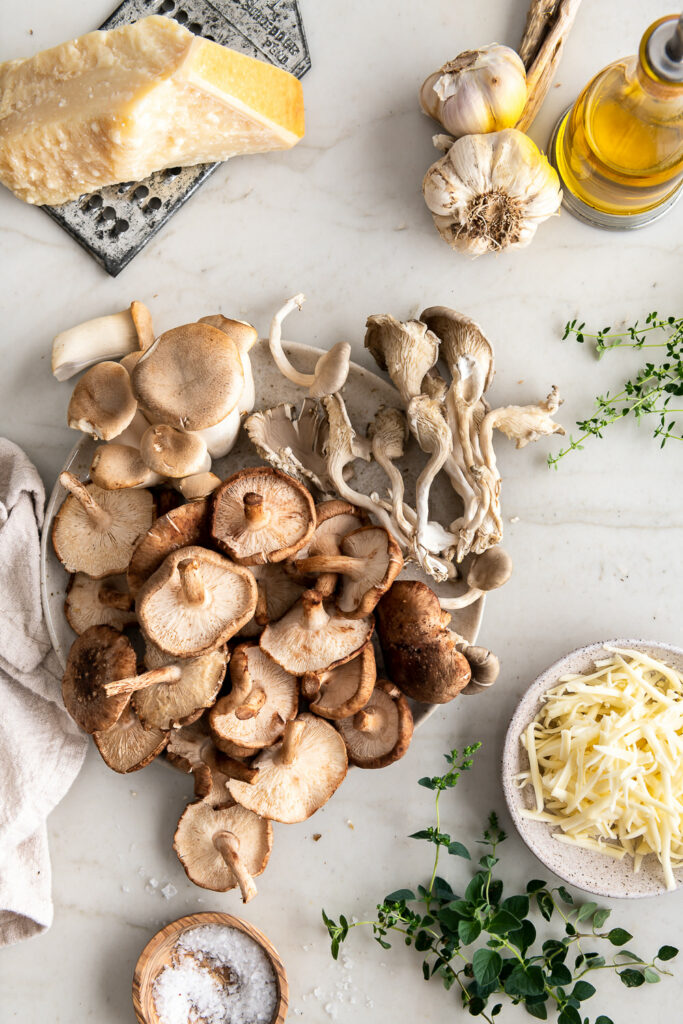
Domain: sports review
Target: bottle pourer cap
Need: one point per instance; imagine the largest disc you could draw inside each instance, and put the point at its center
(664, 50)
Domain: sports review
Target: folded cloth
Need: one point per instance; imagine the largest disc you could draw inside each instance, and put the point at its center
(41, 749)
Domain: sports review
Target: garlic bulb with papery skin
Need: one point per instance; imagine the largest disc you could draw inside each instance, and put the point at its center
(490, 192)
(479, 91)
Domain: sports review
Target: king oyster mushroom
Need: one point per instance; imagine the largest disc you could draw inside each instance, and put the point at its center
(95, 530)
(192, 379)
(170, 705)
(117, 466)
(369, 562)
(331, 369)
(486, 572)
(102, 403)
(126, 746)
(106, 337)
(222, 848)
(92, 602)
(174, 453)
(311, 638)
(100, 676)
(340, 692)
(245, 337)
(298, 775)
(380, 733)
(195, 601)
(292, 440)
(333, 521)
(420, 653)
(181, 527)
(262, 515)
(263, 698)
(191, 750)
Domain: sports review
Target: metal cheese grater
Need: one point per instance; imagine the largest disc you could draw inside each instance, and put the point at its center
(114, 223)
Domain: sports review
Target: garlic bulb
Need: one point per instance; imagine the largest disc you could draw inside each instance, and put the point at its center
(480, 91)
(490, 192)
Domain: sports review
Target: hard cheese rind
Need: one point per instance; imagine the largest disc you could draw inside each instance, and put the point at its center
(115, 106)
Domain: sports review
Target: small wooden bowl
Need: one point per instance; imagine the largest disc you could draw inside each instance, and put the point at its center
(157, 954)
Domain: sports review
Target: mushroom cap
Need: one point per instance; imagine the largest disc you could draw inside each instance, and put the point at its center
(115, 466)
(142, 319)
(490, 570)
(265, 728)
(420, 653)
(461, 338)
(191, 377)
(334, 519)
(203, 863)
(243, 334)
(98, 656)
(181, 527)
(83, 546)
(126, 746)
(301, 645)
(174, 453)
(190, 749)
(293, 792)
(389, 733)
(383, 562)
(168, 705)
(286, 523)
(94, 603)
(199, 485)
(185, 629)
(407, 351)
(277, 593)
(102, 403)
(347, 688)
(331, 371)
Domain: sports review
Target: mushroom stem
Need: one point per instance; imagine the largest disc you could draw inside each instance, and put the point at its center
(261, 613)
(291, 740)
(283, 364)
(99, 516)
(469, 597)
(235, 769)
(111, 598)
(191, 581)
(311, 684)
(252, 705)
(315, 617)
(228, 845)
(166, 674)
(367, 720)
(345, 564)
(254, 512)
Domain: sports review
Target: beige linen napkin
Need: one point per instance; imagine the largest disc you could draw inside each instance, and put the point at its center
(41, 749)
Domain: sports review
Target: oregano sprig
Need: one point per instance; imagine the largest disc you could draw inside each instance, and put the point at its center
(486, 945)
(654, 390)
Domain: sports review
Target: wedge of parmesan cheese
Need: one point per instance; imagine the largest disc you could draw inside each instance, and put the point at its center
(115, 106)
(606, 760)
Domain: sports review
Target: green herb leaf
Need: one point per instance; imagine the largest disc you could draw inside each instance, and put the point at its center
(631, 978)
(600, 916)
(602, 1019)
(535, 885)
(667, 953)
(458, 850)
(583, 990)
(545, 905)
(486, 966)
(586, 910)
(400, 895)
(538, 1010)
(618, 936)
(569, 1015)
(525, 981)
(468, 931)
(651, 976)
(502, 922)
(565, 895)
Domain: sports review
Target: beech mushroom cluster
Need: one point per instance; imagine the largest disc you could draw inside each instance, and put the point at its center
(168, 408)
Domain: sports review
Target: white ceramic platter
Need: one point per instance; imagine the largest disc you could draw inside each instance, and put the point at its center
(364, 393)
(593, 872)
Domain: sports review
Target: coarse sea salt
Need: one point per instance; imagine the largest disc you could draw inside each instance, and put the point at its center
(217, 975)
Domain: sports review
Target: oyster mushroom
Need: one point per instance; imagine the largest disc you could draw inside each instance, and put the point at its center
(388, 433)
(484, 666)
(521, 423)
(434, 437)
(106, 337)
(340, 692)
(420, 653)
(195, 601)
(117, 466)
(298, 775)
(380, 733)
(262, 699)
(181, 527)
(95, 603)
(181, 702)
(331, 369)
(95, 530)
(174, 453)
(487, 572)
(369, 562)
(126, 746)
(102, 403)
(333, 520)
(191, 750)
(245, 337)
(407, 351)
(292, 440)
(262, 515)
(310, 638)
(99, 677)
(222, 848)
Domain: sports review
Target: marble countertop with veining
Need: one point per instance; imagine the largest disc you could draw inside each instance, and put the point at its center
(596, 545)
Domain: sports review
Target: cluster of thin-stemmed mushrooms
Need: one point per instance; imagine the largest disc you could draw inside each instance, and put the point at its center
(257, 580)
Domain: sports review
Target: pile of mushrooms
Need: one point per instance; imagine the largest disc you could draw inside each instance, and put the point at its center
(234, 630)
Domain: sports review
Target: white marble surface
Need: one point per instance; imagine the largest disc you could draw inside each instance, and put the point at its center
(597, 545)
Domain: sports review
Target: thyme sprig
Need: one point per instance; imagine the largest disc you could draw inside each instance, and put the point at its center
(652, 392)
(506, 962)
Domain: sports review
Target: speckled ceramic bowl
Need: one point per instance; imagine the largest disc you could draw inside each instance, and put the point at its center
(593, 872)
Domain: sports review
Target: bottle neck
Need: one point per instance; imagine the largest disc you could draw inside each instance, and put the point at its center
(654, 80)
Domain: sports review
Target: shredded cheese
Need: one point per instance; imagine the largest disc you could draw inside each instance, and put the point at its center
(606, 760)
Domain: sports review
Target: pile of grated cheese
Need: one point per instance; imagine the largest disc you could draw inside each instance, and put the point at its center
(606, 760)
